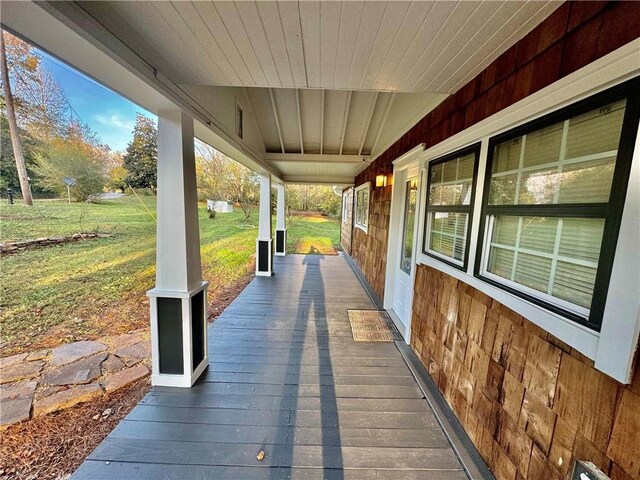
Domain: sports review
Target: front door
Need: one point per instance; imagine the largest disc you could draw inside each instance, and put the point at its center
(402, 291)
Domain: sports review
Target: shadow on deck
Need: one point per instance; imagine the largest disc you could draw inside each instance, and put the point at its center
(286, 377)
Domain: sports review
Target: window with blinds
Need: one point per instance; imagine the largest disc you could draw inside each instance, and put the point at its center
(548, 210)
(451, 186)
(362, 206)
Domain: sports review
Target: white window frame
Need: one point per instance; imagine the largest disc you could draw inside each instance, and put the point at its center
(613, 348)
(362, 225)
(345, 206)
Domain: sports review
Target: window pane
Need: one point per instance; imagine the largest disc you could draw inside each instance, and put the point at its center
(449, 234)
(587, 182)
(543, 146)
(505, 231)
(581, 238)
(407, 231)
(506, 156)
(533, 271)
(554, 256)
(595, 131)
(578, 169)
(451, 181)
(538, 233)
(501, 262)
(574, 283)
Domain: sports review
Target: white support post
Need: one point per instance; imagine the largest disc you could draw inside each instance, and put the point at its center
(179, 300)
(281, 228)
(264, 247)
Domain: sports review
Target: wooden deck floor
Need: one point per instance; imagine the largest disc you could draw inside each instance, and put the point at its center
(286, 377)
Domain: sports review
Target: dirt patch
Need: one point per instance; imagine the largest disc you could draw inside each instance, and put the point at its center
(220, 299)
(55, 445)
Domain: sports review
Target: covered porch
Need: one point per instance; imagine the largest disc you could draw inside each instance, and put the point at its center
(286, 377)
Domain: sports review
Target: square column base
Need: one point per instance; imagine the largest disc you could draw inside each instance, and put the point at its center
(178, 336)
(281, 243)
(264, 257)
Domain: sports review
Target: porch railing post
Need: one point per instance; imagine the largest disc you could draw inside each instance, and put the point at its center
(264, 244)
(178, 302)
(281, 229)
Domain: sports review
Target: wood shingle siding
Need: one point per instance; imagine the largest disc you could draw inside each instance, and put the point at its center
(530, 404)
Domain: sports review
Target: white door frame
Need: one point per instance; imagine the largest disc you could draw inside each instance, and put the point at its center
(402, 166)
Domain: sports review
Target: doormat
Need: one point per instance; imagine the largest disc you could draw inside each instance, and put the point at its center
(372, 326)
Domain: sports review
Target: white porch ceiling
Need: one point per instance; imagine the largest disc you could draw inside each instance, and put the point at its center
(404, 46)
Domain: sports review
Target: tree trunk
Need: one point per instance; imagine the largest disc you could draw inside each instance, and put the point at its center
(13, 127)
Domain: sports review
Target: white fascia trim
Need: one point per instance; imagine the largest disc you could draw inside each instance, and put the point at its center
(613, 348)
(408, 159)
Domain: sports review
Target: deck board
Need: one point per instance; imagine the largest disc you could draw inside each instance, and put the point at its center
(286, 377)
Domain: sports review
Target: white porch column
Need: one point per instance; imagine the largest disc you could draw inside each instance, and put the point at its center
(179, 301)
(264, 249)
(281, 228)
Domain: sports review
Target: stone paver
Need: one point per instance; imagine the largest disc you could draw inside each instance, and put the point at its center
(48, 380)
(20, 371)
(112, 364)
(12, 360)
(72, 352)
(14, 411)
(125, 377)
(16, 402)
(66, 398)
(83, 371)
(17, 390)
(134, 353)
(124, 340)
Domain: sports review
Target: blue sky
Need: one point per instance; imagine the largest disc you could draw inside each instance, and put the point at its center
(107, 113)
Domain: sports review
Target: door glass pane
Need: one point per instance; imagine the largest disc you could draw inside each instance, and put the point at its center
(407, 230)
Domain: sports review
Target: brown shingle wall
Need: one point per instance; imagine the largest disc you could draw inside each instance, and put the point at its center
(346, 227)
(529, 402)
(576, 34)
(370, 249)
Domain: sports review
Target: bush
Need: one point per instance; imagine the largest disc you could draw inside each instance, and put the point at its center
(71, 159)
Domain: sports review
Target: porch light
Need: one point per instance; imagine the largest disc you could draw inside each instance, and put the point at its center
(381, 180)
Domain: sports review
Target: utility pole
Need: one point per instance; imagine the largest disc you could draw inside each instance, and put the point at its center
(13, 126)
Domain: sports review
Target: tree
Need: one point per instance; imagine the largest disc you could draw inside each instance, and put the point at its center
(13, 126)
(71, 157)
(141, 156)
(222, 178)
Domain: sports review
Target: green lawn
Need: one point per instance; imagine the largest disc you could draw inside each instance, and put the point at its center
(94, 287)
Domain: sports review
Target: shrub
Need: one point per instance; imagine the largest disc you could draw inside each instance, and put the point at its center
(71, 159)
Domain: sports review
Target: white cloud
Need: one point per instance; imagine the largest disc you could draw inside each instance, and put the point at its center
(114, 121)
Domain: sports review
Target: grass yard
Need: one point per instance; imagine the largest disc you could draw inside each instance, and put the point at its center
(95, 287)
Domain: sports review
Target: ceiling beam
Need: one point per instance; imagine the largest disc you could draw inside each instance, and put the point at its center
(275, 115)
(315, 158)
(345, 118)
(313, 180)
(299, 120)
(367, 124)
(322, 122)
(384, 121)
